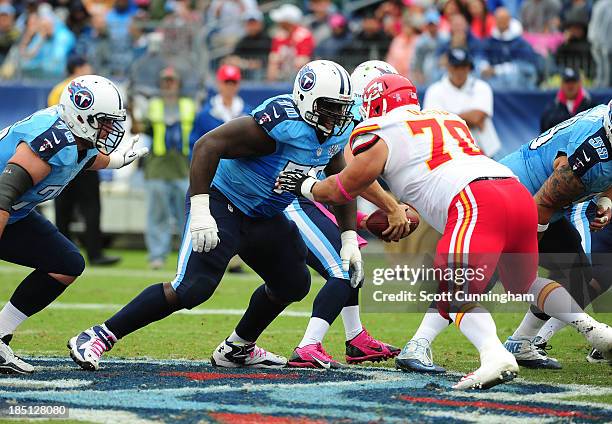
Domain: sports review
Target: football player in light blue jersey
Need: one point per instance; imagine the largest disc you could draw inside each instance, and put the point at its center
(234, 209)
(39, 156)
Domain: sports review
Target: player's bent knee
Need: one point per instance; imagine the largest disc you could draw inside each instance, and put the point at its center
(193, 293)
(64, 279)
(295, 292)
(72, 265)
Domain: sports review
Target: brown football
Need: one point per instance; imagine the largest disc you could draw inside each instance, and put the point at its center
(377, 221)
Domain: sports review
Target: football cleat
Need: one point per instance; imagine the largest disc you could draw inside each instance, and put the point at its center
(541, 345)
(599, 336)
(237, 355)
(87, 348)
(528, 355)
(416, 356)
(497, 366)
(595, 357)
(312, 356)
(364, 347)
(11, 363)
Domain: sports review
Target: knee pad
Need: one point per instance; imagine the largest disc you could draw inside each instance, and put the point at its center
(195, 291)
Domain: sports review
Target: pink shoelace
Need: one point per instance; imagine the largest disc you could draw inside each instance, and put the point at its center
(257, 351)
(323, 353)
(98, 347)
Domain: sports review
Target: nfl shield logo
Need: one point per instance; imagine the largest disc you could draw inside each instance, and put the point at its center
(319, 151)
(81, 96)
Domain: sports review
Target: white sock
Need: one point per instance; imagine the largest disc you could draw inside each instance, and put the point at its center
(432, 324)
(529, 327)
(10, 318)
(552, 298)
(478, 326)
(316, 330)
(235, 338)
(549, 329)
(352, 321)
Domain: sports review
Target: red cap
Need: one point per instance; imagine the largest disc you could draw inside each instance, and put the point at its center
(228, 73)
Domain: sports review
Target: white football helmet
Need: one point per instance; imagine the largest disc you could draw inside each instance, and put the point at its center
(93, 109)
(607, 121)
(361, 77)
(323, 95)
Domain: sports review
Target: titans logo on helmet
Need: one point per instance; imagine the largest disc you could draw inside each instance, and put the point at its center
(307, 79)
(81, 96)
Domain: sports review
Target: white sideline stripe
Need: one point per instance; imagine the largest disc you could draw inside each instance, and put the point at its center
(117, 306)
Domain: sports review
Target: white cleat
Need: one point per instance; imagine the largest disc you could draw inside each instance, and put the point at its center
(87, 348)
(11, 363)
(497, 366)
(237, 355)
(528, 355)
(599, 336)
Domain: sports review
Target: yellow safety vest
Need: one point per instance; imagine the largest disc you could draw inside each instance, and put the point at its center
(187, 110)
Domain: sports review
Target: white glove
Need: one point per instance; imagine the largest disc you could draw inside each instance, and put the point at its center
(202, 225)
(351, 257)
(126, 154)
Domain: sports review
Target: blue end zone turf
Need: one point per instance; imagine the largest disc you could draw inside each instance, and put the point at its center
(188, 391)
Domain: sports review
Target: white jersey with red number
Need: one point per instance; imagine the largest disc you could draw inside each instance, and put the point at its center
(432, 157)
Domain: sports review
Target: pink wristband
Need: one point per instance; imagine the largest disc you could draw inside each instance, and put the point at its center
(342, 190)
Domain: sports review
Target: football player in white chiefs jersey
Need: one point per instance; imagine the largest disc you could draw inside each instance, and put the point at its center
(429, 160)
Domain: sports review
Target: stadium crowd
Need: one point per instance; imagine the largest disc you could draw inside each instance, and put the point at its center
(514, 43)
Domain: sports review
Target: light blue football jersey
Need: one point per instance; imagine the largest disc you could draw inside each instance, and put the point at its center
(249, 182)
(582, 139)
(49, 137)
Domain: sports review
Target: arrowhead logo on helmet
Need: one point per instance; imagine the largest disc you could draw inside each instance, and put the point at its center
(81, 96)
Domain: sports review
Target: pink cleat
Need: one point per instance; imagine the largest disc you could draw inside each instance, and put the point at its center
(312, 356)
(364, 347)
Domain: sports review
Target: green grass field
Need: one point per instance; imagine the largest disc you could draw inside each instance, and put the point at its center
(195, 336)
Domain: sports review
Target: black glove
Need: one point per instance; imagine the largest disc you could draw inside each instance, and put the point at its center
(297, 182)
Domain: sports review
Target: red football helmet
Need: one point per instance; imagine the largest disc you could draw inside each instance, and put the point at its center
(387, 92)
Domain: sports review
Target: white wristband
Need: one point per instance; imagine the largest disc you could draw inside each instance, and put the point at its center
(199, 204)
(604, 203)
(542, 228)
(306, 188)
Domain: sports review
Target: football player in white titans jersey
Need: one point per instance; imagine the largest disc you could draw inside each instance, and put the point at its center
(429, 160)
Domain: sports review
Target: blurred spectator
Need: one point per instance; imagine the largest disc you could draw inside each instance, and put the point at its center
(541, 16)
(575, 52)
(425, 69)
(371, 42)
(390, 13)
(460, 37)
(317, 20)
(340, 37)
(77, 20)
(119, 20)
(83, 192)
(9, 33)
(467, 96)
(482, 22)
(509, 61)
(599, 31)
(222, 107)
(31, 8)
(44, 47)
(96, 44)
(169, 123)
(402, 48)
(292, 45)
(450, 8)
(571, 99)
(180, 28)
(226, 16)
(513, 6)
(251, 52)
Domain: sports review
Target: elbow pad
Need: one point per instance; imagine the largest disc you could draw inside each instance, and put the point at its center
(14, 181)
